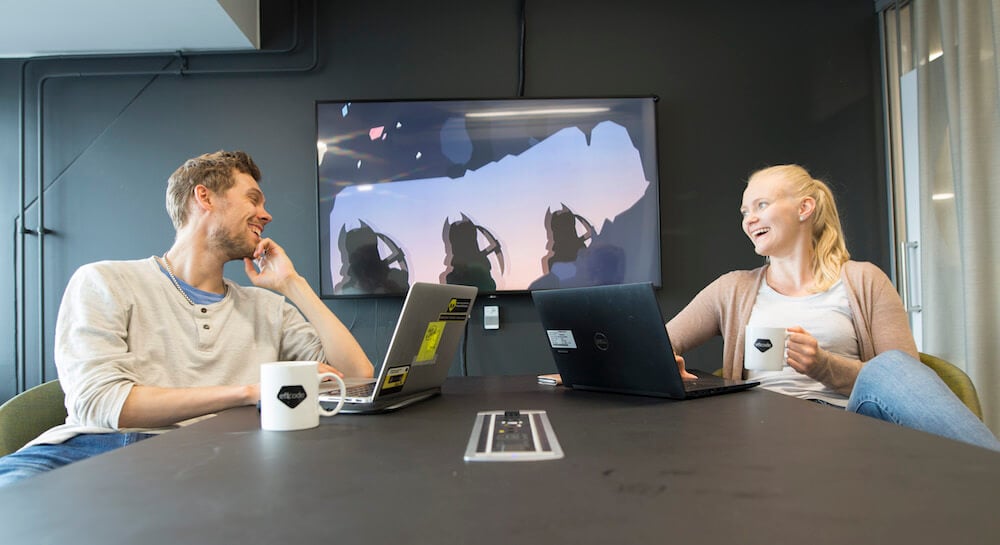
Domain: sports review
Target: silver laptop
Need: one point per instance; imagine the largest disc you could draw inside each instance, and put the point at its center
(612, 339)
(423, 345)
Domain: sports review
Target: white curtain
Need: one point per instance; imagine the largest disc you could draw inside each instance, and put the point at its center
(955, 46)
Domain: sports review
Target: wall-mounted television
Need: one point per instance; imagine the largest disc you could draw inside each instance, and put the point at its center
(506, 195)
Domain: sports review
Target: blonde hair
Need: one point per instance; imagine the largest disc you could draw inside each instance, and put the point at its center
(829, 250)
(212, 170)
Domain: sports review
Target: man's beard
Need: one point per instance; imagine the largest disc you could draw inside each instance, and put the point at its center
(234, 248)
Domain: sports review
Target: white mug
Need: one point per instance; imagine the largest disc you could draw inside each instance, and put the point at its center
(764, 348)
(289, 395)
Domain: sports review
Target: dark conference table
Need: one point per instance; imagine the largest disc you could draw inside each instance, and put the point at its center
(749, 467)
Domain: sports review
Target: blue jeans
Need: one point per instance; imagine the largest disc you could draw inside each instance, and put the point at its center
(897, 388)
(41, 458)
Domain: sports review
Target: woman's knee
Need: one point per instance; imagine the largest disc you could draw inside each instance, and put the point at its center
(892, 364)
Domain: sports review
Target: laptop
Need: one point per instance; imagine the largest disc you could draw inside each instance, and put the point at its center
(612, 339)
(423, 345)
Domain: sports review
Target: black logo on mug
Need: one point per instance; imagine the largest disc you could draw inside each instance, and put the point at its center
(762, 344)
(291, 395)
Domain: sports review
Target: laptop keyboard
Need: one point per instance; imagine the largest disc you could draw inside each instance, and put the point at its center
(356, 390)
(703, 382)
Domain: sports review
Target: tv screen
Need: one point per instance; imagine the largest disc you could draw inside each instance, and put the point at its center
(505, 195)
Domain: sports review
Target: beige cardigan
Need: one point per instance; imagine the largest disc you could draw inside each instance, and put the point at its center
(724, 306)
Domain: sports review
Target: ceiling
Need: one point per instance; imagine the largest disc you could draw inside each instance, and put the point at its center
(34, 28)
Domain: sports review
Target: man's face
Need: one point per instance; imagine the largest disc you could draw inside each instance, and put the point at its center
(241, 218)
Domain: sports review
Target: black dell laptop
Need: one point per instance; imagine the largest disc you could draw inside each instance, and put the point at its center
(613, 339)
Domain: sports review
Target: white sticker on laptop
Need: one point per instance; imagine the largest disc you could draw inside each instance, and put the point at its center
(561, 338)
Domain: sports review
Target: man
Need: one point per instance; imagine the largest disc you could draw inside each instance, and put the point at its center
(143, 346)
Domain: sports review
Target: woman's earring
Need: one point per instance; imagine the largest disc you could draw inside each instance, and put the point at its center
(802, 218)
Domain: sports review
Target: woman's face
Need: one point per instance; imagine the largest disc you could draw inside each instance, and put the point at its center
(771, 216)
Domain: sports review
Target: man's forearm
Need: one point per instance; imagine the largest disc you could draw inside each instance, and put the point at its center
(341, 348)
(153, 407)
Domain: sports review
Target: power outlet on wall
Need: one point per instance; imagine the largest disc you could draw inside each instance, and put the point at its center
(491, 317)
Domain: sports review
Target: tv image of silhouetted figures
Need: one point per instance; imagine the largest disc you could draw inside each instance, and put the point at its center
(573, 259)
(504, 195)
(467, 263)
(366, 270)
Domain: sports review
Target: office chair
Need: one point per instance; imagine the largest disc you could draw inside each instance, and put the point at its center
(28, 414)
(957, 380)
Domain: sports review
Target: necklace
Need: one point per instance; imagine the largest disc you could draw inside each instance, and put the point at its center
(173, 279)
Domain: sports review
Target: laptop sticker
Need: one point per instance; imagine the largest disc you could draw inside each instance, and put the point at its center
(458, 309)
(429, 346)
(561, 338)
(395, 378)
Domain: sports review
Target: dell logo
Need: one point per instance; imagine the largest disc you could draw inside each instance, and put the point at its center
(601, 341)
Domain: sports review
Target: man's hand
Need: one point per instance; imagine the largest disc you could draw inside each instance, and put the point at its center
(270, 267)
(324, 368)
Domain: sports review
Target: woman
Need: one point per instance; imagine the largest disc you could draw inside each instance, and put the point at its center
(848, 340)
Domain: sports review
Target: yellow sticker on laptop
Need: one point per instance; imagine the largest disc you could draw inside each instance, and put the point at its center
(395, 378)
(432, 338)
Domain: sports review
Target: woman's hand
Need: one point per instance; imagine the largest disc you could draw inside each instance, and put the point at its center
(805, 356)
(802, 353)
(684, 372)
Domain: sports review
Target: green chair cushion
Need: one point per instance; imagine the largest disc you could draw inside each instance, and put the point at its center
(28, 414)
(957, 380)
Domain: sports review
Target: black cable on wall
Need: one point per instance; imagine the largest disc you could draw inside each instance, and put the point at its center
(522, 16)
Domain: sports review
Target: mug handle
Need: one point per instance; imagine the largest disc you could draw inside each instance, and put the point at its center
(343, 393)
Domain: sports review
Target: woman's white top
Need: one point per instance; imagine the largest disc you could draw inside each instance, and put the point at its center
(826, 316)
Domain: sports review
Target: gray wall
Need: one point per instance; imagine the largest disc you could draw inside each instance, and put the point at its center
(741, 85)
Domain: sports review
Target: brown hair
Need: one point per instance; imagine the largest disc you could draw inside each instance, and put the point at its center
(829, 249)
(212, 170)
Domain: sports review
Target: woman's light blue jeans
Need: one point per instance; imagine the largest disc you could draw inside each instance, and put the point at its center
(897, 388)
(41, 458)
